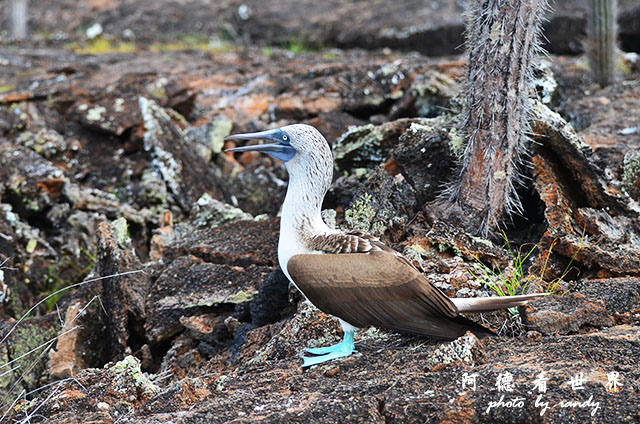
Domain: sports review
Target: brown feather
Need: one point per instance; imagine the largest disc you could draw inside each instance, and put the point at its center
(379, 288)
(345, 242)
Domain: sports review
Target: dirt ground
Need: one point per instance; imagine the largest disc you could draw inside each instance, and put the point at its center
(113, 181)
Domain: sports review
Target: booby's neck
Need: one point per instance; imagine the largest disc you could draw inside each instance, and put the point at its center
(301, 218)
(301, 211)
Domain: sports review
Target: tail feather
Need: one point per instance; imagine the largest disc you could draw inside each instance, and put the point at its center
(484, 304)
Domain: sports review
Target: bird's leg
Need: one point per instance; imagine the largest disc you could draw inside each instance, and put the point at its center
(340, 350)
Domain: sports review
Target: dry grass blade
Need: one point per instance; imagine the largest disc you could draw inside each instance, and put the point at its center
(93, 280)
(43, 348)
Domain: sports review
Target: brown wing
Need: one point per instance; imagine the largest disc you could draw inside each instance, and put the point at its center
(377, 288)
(347, 242)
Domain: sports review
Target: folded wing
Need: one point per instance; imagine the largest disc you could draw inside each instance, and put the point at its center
(378, 288)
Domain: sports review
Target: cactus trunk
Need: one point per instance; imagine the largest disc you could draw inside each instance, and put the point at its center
(502, 38)
(601, 45)
(19, 19)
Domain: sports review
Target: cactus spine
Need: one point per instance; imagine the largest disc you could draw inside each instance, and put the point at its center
(502, 38)
(601, 35)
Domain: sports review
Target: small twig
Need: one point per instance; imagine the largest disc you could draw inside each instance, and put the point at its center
(9, 371)
(38, 347)
(7, 267)
(30, 415)
(61, 290)
(22, 393)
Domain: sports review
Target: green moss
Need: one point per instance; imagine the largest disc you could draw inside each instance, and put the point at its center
(95, 113)
(361, 173)
(360, 215)
(220, 128)
(241, 297)
(483, 241)
(443, 247)
(329, 217)
(361, 145)
(169, 47)
(456, 143)
(193, 42)
(118, 105)
(157, 89)
(17, 107)
(460, 350)
(65, 272)
(32, 205)
(431, 91)
(31, 246)
(301, 45)
(153, 191)
(46, 142)
(129, 368)
(220, 383)
(631, 173)
(330, 56)
(120, 230)
(101, 45)
(6, 379)
(210, 212)
(35, 336)
(419, 249)
(6, 87)
(625, 62)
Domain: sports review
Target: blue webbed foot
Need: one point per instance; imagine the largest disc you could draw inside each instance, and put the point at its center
(328, 353)
(340, 347)
(315, 360)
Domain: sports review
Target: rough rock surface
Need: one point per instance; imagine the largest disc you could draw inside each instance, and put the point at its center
(621, 297)
(19, 339)
(360, 389)
(112, 171)
(565, 314)
(434, 28)
(190, 285)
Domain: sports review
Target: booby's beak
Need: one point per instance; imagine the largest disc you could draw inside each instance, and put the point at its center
(281, 149)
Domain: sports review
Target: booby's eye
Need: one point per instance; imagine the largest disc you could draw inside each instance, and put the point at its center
(283, 138)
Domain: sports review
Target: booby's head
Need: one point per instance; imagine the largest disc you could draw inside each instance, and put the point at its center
(301, 147)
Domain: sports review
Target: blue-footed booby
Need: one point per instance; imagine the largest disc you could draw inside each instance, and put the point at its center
(350, 274)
